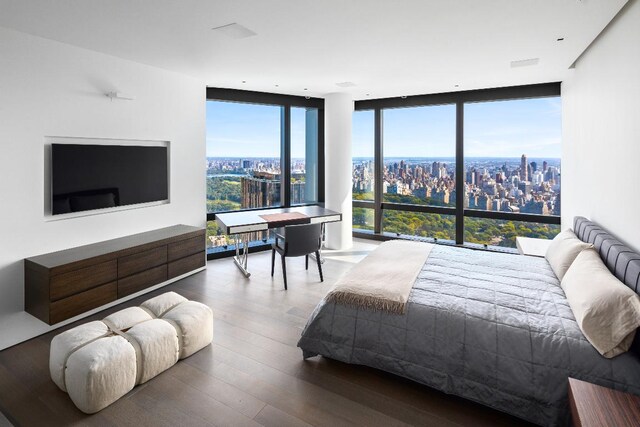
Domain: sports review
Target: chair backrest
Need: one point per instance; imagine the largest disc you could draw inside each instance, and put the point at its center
(302, 239)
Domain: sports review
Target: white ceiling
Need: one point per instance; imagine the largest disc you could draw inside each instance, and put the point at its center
(386, 47)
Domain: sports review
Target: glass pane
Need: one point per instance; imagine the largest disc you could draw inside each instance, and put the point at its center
(304, 155)
(441, 227)
(243, 155)
(419, 155)
(512, 156)
(494, 232)
(363, 155)
(363, 219)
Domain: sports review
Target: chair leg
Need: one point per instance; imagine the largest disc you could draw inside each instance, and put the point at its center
(319, 265)
(306, 262)
(273, 260)
(284, 272)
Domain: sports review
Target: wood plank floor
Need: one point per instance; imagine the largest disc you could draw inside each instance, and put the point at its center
(251, 375)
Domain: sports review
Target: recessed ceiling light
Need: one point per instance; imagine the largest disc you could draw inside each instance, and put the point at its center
(525, 62)
(368, 94)
(277, 85)
(235, 31)
(306, 97)
(244, 81)
(456, 85)
(346, 84)
(404, 97)
(306, 88)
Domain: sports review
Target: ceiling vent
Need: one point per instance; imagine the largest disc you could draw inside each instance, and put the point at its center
(525, 62)
(235, 31)
(346, 84)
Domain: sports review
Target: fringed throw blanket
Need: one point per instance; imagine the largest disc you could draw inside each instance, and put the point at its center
(383, 280)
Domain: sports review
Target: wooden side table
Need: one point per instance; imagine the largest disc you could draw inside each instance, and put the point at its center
(593, 405)
(531, 246)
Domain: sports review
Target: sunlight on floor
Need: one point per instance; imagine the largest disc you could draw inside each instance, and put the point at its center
(353, 255)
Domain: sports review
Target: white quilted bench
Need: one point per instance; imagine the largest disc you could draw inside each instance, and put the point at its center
(99, 362)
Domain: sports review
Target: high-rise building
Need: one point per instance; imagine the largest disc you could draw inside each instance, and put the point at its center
(524, 168)
(260, 190)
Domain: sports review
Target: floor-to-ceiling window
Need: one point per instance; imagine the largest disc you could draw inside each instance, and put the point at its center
(304, 155)
(419, 168)
(478, 167)
(512, 165)
(263, 151)
(363, 170)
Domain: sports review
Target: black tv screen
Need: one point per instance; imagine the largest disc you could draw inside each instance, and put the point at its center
(88, 177)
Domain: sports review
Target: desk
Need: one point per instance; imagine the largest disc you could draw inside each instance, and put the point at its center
(593, 405)
(243, 223)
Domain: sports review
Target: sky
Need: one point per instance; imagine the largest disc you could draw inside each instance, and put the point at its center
(492, 129)
(251, 130)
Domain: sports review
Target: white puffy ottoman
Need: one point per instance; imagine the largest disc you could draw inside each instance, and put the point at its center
(99, 362)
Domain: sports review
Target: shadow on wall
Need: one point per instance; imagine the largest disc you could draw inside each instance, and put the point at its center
(12, 287)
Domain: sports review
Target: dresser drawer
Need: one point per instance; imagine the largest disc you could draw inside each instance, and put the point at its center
(141, 261)
(185, 265)
(186, 247)
(84, 301)
(137, 282)
(67, 284)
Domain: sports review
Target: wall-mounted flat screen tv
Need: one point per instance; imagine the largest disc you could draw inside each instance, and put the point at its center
(89, 177)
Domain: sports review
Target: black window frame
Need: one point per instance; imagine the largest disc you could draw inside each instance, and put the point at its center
(459, 99)
(286, 102)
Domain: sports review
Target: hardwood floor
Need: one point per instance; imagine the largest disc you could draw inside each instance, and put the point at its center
(251, 375)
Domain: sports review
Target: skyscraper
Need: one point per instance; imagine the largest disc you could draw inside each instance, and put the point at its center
(523, 168)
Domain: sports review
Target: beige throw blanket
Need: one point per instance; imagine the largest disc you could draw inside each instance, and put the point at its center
(383, 280)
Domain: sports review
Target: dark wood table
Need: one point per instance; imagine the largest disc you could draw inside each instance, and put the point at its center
(593, 405)
(243, 223)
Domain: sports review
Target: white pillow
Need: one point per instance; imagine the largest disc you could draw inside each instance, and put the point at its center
(607, 311)
(564, 248)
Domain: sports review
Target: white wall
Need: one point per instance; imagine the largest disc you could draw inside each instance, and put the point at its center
(53, 89)
(601, 131)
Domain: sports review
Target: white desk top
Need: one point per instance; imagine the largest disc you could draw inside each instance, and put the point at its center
(250, 220)
(531, 246)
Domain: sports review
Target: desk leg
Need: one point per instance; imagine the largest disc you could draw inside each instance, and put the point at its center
(240, 259)
(321, 246)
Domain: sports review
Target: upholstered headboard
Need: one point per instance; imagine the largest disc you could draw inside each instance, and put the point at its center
(623, 262)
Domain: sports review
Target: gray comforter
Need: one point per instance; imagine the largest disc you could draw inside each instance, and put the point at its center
(493, 328)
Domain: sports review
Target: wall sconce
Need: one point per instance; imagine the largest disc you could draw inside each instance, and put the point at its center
(119, 95)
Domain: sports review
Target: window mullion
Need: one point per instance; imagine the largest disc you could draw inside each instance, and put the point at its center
(378, 171)
(460, 189)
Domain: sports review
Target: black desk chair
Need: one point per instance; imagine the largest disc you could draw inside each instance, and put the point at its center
(297, 240)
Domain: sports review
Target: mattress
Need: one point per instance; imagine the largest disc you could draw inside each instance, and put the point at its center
(490, 327)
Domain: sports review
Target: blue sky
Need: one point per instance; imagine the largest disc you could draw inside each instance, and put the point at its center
(251, 130)
(492, 129)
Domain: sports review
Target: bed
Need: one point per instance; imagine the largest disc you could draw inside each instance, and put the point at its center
(490, 327)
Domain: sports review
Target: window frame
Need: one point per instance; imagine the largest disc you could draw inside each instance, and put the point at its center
(286, 102)
(459, 99)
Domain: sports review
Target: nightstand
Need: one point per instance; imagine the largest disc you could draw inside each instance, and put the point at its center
(594, 405)
(531, 246)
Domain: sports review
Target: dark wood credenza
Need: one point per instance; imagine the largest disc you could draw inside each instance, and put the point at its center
(63, 284)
